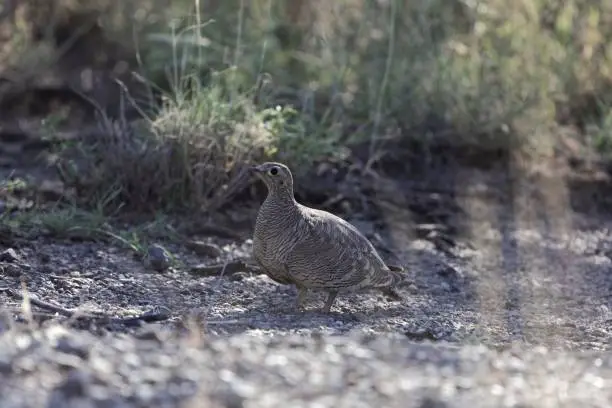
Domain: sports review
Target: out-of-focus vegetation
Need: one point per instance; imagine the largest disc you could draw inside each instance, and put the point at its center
(304, 80)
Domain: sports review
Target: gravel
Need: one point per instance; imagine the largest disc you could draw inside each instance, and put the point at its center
(56, 367)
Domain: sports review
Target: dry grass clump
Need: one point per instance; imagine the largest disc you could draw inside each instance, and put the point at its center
(192, 155)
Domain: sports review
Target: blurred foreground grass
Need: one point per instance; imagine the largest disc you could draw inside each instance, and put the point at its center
(305, 80)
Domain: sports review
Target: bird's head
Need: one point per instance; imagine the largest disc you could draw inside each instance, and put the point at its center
(276, 176)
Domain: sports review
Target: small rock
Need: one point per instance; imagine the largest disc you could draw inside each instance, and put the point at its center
(447, 271)
(69, 345)
(67, 361)
(7, 162)
(425, 229)
(228, 397)
(9, 269)
(101, 398)
(44, 257)
(422, 245)
(432, 402)
(238, 276)
(53, 190)
(46, 269)
(158, 258)
(150, 334)
(421, 335)
(6, 365)
(75, 384)
(6, 323)
(9, 255)
(204, 249)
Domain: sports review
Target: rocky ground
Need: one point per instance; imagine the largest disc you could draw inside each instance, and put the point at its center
(510, 303)
(513, 309)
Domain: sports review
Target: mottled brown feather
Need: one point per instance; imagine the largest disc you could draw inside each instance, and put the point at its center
(314, 249)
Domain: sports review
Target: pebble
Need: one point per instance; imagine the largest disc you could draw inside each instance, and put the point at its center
(158, 258)
(9, 255)
(10, 269)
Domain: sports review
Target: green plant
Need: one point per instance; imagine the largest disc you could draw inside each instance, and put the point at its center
(297, 140)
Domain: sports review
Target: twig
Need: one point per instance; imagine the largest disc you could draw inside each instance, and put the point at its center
(26, 303)
(40, 303)
(218, 231)
(210, 305)
(147, 317)
(227, 268)
(38, 316)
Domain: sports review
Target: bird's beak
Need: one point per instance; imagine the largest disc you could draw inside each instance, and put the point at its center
(255, 169)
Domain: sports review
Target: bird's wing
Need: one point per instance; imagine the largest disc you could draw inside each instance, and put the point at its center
(281, 276)
(330, 252)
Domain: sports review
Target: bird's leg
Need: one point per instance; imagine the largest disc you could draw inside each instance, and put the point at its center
(331, 297)
(301, 297)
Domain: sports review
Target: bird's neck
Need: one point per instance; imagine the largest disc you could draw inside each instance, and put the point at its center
(281, 199)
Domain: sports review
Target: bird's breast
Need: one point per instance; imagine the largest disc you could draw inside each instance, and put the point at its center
(271, 243)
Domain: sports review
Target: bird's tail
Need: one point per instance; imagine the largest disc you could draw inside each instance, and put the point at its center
(389, 277)
(385, 278)
(395, 279)
(396, 268)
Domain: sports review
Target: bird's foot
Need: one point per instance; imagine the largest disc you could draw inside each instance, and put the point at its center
(300, 301)
(331, 297)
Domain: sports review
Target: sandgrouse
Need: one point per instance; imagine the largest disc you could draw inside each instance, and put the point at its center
(313, 249)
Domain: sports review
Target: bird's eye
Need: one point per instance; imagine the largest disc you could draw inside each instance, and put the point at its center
(274, 171)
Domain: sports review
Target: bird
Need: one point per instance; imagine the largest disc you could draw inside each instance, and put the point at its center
(314, 249)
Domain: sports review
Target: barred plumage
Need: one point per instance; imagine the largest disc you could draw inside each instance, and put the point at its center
(313, 249)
